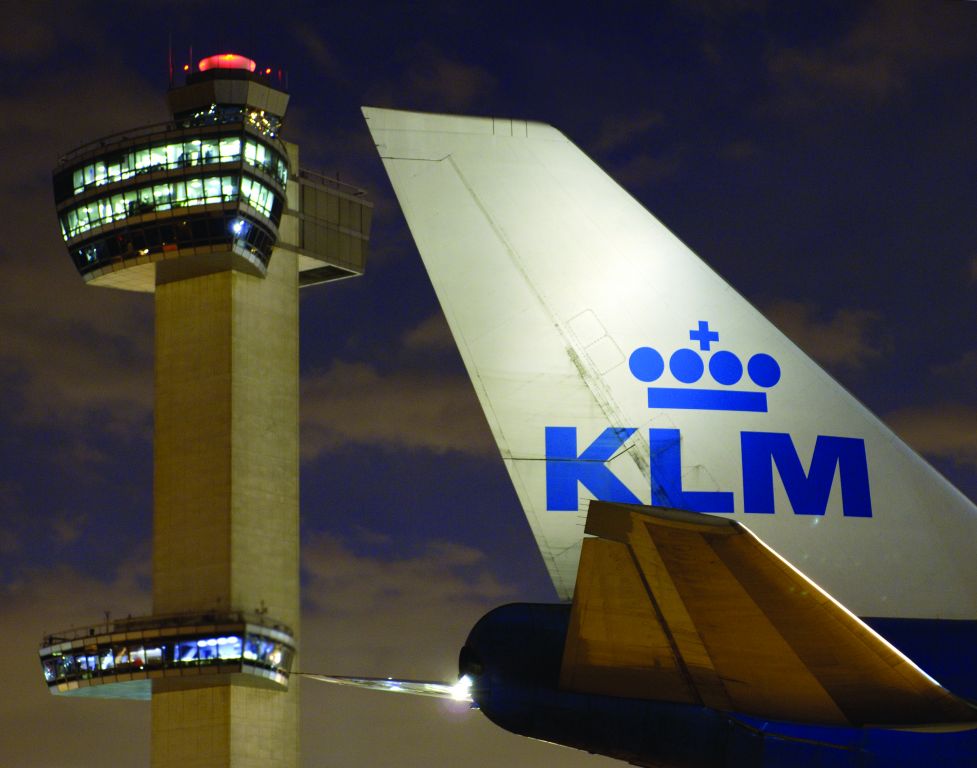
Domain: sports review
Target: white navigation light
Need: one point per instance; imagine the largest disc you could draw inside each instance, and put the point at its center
(462, 690)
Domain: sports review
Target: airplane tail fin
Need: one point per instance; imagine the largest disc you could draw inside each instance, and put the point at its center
(613, 364)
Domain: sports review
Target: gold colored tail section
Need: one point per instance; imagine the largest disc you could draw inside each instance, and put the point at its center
(684, 607)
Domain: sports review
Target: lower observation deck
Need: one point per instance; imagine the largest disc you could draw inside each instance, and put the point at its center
(126, 659)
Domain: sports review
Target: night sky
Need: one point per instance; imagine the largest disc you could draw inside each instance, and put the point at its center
(819, 155)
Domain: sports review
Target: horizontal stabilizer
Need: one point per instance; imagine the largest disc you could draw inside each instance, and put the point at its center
(691, 608)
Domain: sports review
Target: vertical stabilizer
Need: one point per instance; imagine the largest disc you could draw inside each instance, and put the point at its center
(614, 364)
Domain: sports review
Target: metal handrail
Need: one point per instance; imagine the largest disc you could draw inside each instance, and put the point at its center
(157, 621)
(146, 131)
(331, 182)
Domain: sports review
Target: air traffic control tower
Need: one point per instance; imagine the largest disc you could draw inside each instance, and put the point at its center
(212, 213)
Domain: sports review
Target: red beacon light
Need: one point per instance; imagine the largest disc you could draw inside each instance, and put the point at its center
(226, 61)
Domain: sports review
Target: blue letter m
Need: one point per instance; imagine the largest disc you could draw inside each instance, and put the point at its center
(564, 468)
(808, 493)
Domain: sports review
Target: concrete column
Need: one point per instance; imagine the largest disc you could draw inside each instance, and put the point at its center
(226, 521)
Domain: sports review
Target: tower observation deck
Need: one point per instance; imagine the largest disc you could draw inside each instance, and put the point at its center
(212, 213)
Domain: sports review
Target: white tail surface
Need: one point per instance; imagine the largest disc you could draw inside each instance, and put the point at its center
(612, 363)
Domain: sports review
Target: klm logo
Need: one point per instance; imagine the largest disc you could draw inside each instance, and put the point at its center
(761, 453)
(687, 367)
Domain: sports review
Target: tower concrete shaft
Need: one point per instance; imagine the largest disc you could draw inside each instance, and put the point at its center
(226, 498)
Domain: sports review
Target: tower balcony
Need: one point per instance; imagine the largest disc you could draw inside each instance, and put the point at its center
(126, 659)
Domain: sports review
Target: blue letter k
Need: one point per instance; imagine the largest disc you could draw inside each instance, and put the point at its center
(564, 468)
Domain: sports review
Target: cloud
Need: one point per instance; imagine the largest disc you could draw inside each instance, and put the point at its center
(405, 618)
(865, 75)
(963, 368)
(956, 378)
(645, 168)
(52, 120)
(623, 138)
(354, 403)
(361, 615)
(620, 131)
(88, 353)
(322, 56)
(70, 364)
(67, 353)
(432, 335)
(31, 31)
(410, 401)
(845, 339)
(435, 82)
(42, 602)
(407, 615)
(9, 542)
(740, 150)
(68, 527)
(940, 431)
(873, 61)
(456, 85)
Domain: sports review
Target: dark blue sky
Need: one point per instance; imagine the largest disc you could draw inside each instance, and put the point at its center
(819, 155)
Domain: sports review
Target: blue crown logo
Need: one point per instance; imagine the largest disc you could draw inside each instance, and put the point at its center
(687, 366)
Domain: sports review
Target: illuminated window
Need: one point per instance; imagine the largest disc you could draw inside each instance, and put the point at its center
(230, 149)
(185, 651)
(257, 195)
(163, 197)
(209, 151)
(142, 160)
(212, 189)
(179, 155)
(191, 152)
(66, 665)
(195, 190)
(229, 647)
(137, 657)
(207, 649)
(107, 660)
